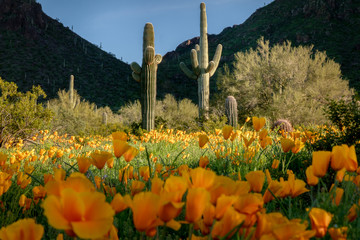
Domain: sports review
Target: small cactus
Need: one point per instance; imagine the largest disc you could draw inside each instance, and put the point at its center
(104, 118)
(71, 90)
(146, 75)
(231, 111)
(283, 124)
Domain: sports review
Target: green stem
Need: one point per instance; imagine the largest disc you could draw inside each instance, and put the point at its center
(191, 229)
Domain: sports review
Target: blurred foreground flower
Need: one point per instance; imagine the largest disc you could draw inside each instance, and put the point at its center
(24, 229)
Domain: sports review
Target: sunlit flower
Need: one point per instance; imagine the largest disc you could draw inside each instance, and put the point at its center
(336, 195)
(136, 187)
(196, 201)
(120, 203)
(227, 130)
(338, 233)
(230, 220)
(130, 154)
(320, 220)
(202, 178)
(146, 204)
(100, 158)
(311, 179)
(258, 123)
(344, 156)
(204, 161)
(119, 135)
(275, 164)
(82, 214)
(22, 229)
(287, 144)
(203, 139)
(256, 180)
(83, 163)
(320, 162)
(120, 147)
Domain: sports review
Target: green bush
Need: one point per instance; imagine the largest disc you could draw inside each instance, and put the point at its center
(282, 82)
(168, 112)
(345, 115)
(20, 113)
(80, 117)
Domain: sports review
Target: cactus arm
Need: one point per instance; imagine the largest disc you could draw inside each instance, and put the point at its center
(216, 59)
(158, 58)
(210, 67)
(136, 76)
(194, 62)
(135, 67)
(187, 71)
(197, 48)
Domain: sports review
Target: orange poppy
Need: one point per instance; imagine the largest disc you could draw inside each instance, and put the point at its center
(227, 130)
(320, 162)
(258, 123)
(203, 139)
(99, 158)
(22, 229)
(83, 163)
(320, 220)
(120, 147)
(344, 156)
(256, 180)
(287, 144)
(196, 201)
(130, 154)
(311, 179)
(204, 161)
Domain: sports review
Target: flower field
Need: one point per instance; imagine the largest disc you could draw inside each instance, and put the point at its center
(248, 183)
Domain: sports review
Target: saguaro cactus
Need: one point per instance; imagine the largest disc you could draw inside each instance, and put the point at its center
(146, 75)
(71, 90)
(231, 111)
(202, 69)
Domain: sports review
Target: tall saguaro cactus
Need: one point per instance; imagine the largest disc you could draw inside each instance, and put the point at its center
(202, 69)
(146, 75)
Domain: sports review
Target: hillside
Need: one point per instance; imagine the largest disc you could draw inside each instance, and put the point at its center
(38, 50)
(330, 25)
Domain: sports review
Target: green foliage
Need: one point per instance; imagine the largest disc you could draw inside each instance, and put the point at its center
(81, 117)
(169, 113)
(20, 114)
(283, 82)
(345, 115)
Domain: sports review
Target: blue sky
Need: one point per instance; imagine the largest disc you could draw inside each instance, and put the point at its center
(118, 24)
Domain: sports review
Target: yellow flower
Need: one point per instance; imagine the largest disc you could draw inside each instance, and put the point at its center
(203, 139)
(311, 179)
(120, 147)
(320, 162)
(99, 158)
(344, 156)
(130, 154)
(258, 123)
(256, 180)
(83, 163)
(196, 201)
(227, 130)
(146, 204)
(287, 144)
(22, 229)
(120, 136)
(320, 220)
(82, 214)
(202, 178)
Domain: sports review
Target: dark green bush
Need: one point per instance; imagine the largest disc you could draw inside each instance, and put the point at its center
(20, 113)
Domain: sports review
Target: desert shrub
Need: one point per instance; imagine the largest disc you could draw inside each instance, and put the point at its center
(20, 113)
(282, 82)
(345, 116)
(80, 117)
(168, 112)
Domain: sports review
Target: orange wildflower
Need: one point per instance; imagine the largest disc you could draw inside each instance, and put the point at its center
(227, 130)
(287, 144)
(83, 163)
(320, 162)
(204, 161)
(344, 156)
(130, 154)
(256, 180)
(258, 123)
(230, 220)
(3, 158)
(120, 203)
(146, 204)
(119, 135)
(99, 158)
(120, 147)
(338, 233)
(136, 187)
(275, 164)
(82, 214)
(22, 229)
(203, 139)
(201, 177)
(340, 174)
(320, 220)
(196, 201)
(311, 179)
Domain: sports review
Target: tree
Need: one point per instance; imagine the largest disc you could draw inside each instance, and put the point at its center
(283, 82)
